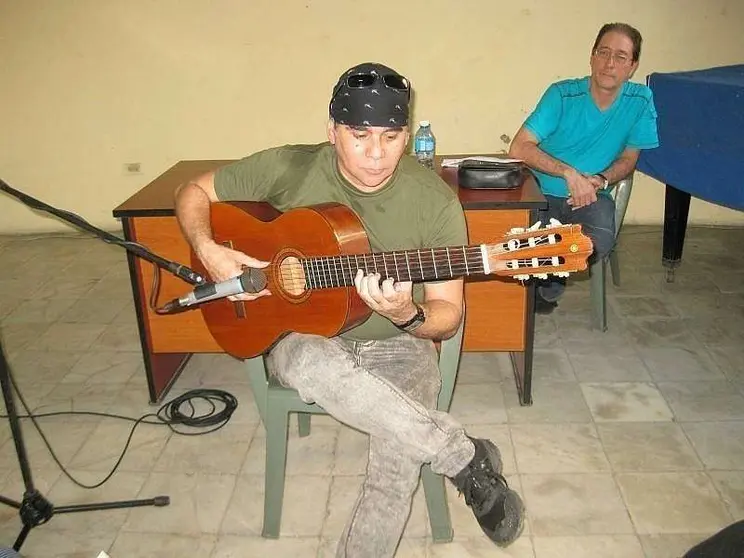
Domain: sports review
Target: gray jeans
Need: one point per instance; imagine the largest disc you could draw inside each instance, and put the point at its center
(389, 390)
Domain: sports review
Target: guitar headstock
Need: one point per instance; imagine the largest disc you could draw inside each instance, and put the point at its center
(554, 249)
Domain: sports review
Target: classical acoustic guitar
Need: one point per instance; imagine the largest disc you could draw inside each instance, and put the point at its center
(316, 251)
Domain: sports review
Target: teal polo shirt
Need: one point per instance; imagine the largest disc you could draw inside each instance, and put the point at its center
(569, 126)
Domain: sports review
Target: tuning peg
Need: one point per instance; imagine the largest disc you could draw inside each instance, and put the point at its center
(536, 226)
(516, 230)
(521, 277)
(541, 275)
(553, 224)
(561, 273)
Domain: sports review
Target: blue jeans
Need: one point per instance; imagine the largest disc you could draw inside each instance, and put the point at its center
(389, 390)
(597, 221)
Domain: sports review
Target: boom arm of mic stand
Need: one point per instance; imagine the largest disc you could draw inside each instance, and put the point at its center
(179, 270)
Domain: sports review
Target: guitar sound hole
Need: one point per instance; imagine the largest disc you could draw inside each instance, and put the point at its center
(292, 276)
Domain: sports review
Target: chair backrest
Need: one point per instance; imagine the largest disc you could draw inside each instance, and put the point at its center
(620, 192)
(450, 351)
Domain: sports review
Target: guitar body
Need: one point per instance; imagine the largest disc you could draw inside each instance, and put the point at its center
(247, 329)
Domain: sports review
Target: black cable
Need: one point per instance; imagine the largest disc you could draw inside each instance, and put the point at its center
(222, 405)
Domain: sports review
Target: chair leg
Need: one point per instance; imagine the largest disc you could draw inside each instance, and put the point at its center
(436, 505)
(597, 288)
(615, 268)
(277, 425)
(303, 424)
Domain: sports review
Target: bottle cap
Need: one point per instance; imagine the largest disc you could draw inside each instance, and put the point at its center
(424, 123)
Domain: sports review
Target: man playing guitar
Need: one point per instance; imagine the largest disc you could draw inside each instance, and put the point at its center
(381, 376)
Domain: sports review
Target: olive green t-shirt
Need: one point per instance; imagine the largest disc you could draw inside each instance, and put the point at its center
(415, 209)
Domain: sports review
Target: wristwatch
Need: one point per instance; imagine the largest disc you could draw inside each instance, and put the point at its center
(415, 322)
(605, 182)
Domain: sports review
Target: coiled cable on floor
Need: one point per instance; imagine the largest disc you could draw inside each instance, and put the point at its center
(181, 411)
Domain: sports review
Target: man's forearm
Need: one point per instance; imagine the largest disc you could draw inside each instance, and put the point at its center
(621, 168)
(442, 320)
(192, 213)
(536, 158)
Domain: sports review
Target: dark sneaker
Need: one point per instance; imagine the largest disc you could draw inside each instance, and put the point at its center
(498, 509)
(543, 306)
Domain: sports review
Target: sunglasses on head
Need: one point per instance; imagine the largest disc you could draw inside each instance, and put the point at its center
(363, 81)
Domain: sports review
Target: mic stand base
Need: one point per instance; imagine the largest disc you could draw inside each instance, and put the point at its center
(35, 509)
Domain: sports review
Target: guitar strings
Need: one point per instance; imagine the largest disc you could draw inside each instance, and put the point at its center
(333, 271)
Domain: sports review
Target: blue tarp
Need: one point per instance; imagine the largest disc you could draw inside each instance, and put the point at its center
(701, 133)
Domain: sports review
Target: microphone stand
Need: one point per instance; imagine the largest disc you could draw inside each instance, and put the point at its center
(176, 269)
(34, 508)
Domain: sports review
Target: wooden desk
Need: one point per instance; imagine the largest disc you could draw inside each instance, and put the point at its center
(500, 312)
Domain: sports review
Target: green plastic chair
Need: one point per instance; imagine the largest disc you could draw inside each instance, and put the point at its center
(597, 271)
(275, 402)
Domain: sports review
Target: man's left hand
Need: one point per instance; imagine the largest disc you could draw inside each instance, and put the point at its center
(388, 298)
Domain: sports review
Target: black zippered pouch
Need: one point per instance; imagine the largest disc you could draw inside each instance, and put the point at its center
(472, 173)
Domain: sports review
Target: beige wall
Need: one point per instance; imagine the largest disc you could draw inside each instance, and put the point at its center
(90, 85)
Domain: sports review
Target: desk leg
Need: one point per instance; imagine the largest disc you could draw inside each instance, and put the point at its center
(522, 360)
(676, 209)
(161, 369)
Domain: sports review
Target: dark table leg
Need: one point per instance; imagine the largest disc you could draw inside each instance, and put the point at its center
(161, 369)
(522, 360)
(676, 209)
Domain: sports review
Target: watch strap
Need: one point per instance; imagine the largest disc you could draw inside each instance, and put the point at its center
(416, 321)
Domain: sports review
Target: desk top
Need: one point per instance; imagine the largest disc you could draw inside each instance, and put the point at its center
(156, 199)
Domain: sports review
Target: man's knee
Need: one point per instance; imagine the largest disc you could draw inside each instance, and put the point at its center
(599, 225)
(603, 240)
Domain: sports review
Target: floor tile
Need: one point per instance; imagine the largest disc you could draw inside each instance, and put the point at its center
(478, 403)
(553, 402)
(309, 455)
(672, 502)
(625, 402)
(680, 364)
(231, 546)
(574, 504)
(647, 446)
(198, 503)
(731, 486)
(699, 401)
(669, 546)
(719, 444)
(303, 513)
(609, 367)
(558, 448)
(156, 545)
(478, 547)
(222, 451)
(606, 546)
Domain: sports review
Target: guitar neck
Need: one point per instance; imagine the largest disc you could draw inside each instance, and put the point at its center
(418, 266)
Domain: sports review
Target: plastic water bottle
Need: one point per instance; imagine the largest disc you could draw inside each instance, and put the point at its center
(424, 144)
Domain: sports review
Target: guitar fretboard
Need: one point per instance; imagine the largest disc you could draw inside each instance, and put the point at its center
(430, 264)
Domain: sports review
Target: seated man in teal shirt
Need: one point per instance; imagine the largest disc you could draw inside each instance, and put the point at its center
(586, 134)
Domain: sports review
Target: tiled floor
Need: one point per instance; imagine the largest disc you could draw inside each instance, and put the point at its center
(634, 446)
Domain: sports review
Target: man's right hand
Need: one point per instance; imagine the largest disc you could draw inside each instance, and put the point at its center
(582, 189)
(223, 263)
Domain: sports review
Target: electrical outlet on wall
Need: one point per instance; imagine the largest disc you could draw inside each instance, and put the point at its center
(132, 168)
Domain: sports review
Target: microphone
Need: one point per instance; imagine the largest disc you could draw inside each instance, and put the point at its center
(251, 281)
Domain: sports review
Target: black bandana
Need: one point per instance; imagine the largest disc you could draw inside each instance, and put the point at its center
(371, 94)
